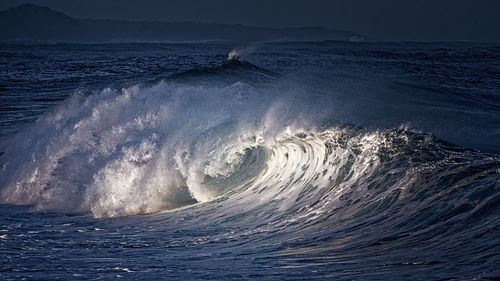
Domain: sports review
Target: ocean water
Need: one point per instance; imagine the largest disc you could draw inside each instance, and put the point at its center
(236, 161)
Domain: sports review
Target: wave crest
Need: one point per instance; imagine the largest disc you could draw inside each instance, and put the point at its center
(148, 149)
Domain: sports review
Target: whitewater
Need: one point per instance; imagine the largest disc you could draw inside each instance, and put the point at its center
(224, 161)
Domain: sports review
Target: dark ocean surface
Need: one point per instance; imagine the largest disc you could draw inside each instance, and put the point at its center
(230, 161)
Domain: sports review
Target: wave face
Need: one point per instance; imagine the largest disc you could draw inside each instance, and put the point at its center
(224, 167)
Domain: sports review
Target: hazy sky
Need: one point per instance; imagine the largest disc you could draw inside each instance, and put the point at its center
(385, 19)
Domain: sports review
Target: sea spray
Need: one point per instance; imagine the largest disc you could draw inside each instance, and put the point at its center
(241, 53)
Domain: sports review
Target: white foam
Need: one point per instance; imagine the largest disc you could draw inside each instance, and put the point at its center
(147, 149)
(118, 152)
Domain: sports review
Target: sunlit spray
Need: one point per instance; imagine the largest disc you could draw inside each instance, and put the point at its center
(241, 53)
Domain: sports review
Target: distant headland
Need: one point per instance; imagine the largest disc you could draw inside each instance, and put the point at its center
(35, 23)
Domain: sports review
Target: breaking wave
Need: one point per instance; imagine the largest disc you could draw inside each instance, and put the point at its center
(146, 149)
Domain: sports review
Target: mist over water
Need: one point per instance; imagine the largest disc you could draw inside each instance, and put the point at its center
(292, 160)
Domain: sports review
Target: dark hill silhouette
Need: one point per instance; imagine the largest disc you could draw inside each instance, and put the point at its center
(30, 22)
(37, 23)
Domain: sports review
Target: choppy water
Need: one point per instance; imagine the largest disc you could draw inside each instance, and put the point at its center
(303, 161)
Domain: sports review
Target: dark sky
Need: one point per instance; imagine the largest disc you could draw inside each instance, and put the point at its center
(384, 19)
